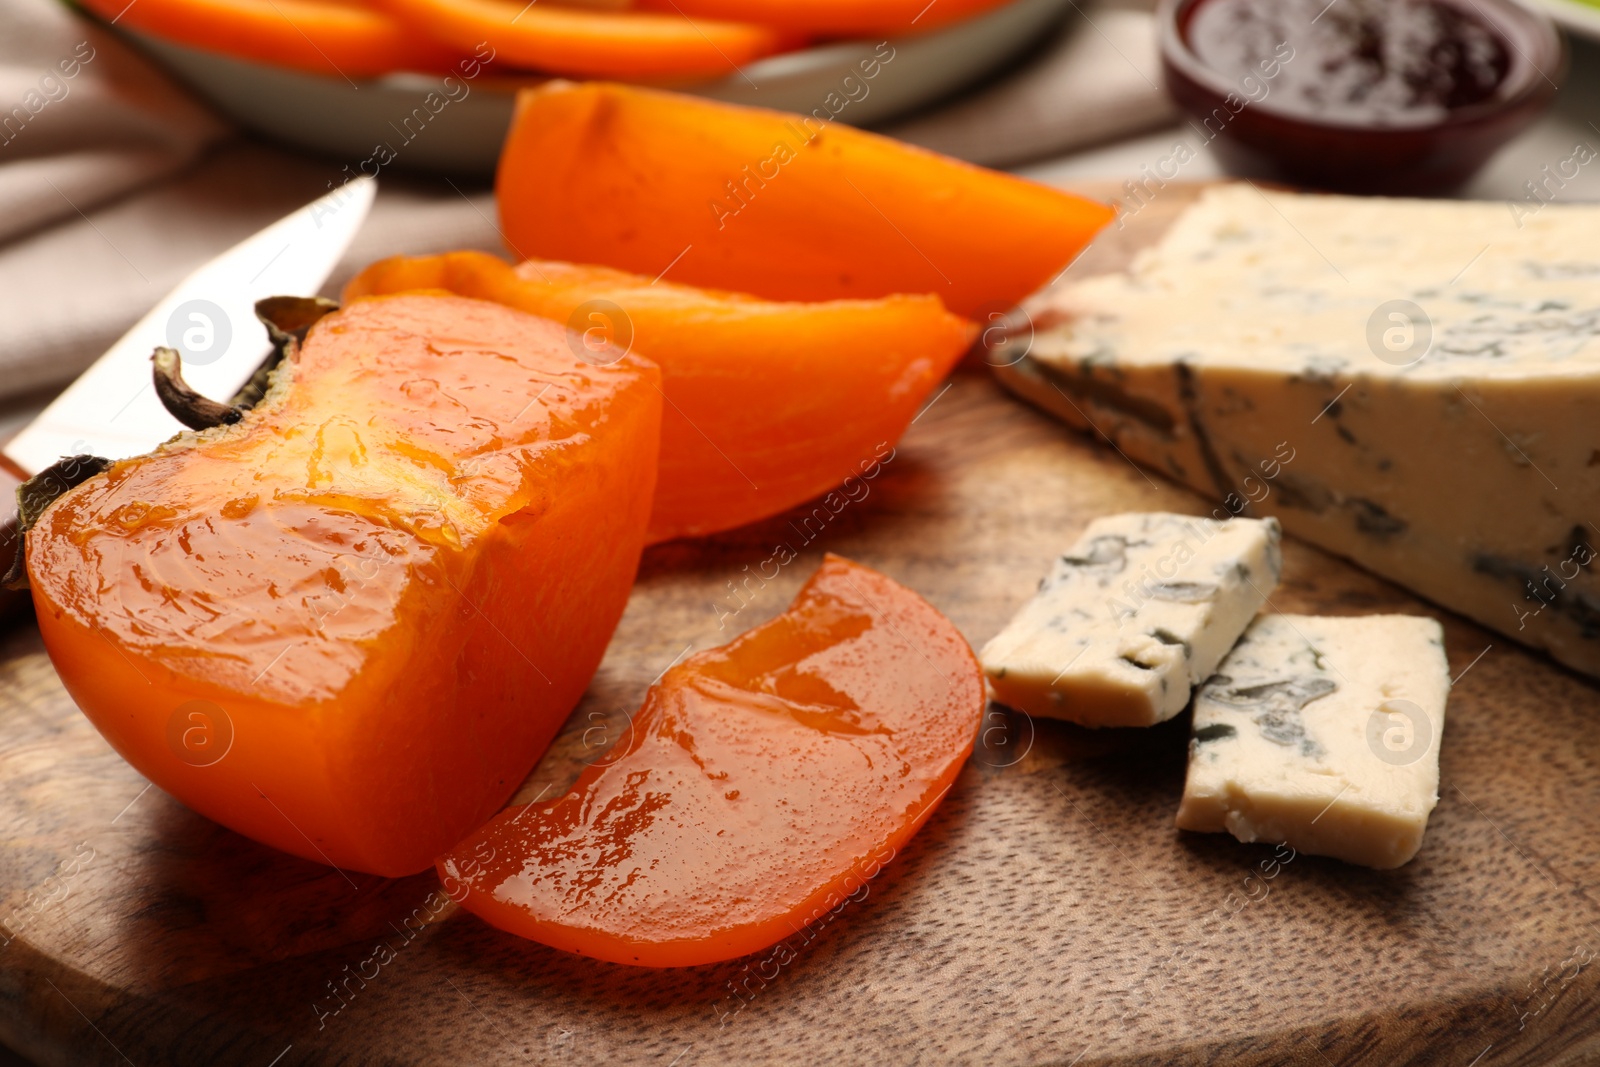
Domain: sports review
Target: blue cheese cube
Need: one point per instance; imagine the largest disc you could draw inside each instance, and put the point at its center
(1133, 616)
(1322, 733)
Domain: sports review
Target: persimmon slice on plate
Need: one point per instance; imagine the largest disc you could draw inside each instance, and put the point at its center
(334, 38)
(349, 624)
(591, 43)
(760, 784)
(788, 207)
(834, 17)
(768, 404)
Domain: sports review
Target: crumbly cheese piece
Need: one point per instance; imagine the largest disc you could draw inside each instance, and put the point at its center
(1322, 733)
(1137, 613)
(1408, 383)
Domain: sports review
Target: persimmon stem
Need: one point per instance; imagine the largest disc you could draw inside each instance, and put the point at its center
(182, 402)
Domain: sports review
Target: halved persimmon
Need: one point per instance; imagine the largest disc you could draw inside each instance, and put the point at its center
(768, 404)
(761, 783)
(334, 38)
(349, 624)
(788, 207)
(589, 42)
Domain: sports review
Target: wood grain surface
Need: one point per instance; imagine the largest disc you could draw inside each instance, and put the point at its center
(1049, 913)
(12, 603)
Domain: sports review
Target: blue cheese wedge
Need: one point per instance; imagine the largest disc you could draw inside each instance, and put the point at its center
(1133, 616)
(1410, 384)
(1322, 733)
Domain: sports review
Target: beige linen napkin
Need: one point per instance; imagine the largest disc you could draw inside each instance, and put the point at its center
(82, 118)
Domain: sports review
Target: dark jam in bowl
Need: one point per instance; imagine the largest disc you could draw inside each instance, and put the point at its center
(1400, 96)
(1357, 62)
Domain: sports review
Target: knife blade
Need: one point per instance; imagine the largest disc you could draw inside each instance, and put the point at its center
(111, 410)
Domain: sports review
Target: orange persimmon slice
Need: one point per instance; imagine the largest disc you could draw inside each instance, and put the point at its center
(783, 206)
(348, 625)
(335, 38)
(760, 784)
(591, 43)
(768, 404)
(835, 17)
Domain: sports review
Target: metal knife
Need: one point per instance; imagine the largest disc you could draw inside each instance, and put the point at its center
(111, 410)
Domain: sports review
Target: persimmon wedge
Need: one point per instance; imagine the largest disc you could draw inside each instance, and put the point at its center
(788, 207)
(592, 43)
(768, 404)
(335, 38)
(349, 624)
(760, 784)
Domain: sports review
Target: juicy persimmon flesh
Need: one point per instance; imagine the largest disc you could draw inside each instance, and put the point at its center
(760, 784)
(348, 625)
(788, 207)
(768, 404)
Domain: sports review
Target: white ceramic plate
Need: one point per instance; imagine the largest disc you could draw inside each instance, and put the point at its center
(1576, 16)
(327, 115)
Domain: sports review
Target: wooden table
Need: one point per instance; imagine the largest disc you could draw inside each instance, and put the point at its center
(1048, 913)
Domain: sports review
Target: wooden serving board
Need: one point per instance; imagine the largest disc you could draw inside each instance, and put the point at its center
(1049, 913)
